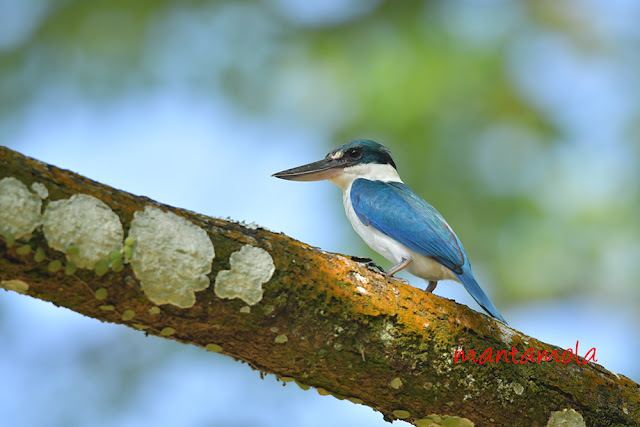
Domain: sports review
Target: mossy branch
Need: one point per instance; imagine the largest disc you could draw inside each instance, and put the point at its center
(323, 321)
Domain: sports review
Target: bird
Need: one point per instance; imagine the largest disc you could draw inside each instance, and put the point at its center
(393, 219)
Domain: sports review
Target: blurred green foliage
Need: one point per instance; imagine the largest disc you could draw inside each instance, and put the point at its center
(436, 81)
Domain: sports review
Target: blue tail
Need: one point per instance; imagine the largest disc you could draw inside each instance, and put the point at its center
(478, 294)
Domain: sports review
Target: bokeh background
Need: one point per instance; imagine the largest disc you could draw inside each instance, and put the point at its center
(518, 120)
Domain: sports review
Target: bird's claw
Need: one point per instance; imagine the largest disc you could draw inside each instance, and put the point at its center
(369, 263)
(405, 281)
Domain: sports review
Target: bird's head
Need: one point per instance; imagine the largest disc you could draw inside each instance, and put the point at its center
(356, 159)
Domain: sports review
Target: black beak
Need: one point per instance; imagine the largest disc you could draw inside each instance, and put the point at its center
(316, 171)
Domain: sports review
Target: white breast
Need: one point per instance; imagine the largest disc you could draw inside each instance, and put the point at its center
(389, 248)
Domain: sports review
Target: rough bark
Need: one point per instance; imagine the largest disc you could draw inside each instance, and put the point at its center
(326, 322)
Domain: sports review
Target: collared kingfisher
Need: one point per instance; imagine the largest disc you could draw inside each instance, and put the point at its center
(391, 218)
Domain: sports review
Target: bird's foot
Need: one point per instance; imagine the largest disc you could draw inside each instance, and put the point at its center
(368, 262)
(372, 265)
(405, 281)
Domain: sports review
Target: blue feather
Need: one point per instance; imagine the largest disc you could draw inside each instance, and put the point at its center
(474, 289)
(399, 212)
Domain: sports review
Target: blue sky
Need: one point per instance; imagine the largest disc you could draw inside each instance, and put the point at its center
(196, 151)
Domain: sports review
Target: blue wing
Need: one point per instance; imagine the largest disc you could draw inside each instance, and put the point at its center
(397, 211)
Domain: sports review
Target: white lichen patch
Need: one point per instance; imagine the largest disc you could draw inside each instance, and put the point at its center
(506, 333)
(19, 208)
(84, 224)
(40, 190)
(362, 290)
(15, 285)
(508, 390)
(251, 267)
(517, 388)
(171, 257)
(471, 390)
(566, 418)
(360, 278)
(251, 226)
(387, 333)
(469, 380)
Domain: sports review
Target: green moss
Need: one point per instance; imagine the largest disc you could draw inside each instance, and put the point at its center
(9, 239)
(396, 383)
(54, 266)
(128, 315)
(267, 309)
(15, 285)
(117, 265)
(115, 255)
(23, 250)
(72, 250)
(167, 331)
(128, 252)
(449, 421)
(101, 294)
(101, 268)
(303, 386)
(214, 348)
(401, 413)
(39, 255)
(70, 268)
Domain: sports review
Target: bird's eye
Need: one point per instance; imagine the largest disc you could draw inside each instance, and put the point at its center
(354, 152)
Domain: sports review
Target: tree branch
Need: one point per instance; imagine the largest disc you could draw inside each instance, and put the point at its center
(300, 313)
